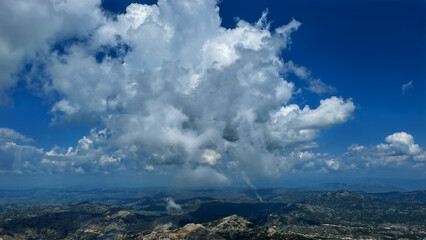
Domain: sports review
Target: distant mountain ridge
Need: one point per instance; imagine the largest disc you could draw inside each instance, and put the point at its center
(365, 187)
(283, 214)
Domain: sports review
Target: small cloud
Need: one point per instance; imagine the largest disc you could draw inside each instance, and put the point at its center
(105, 159)
(65, 106)
(315, 85)
(149, 168)
(420, 157)
(211, 157)
(319, 87)
(172, 206)
(332, 164)
(407, 86)
(330, 112)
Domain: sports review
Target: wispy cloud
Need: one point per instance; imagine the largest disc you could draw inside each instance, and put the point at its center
(10, 135)
(172, 206)
(407, 86)
(314, 85)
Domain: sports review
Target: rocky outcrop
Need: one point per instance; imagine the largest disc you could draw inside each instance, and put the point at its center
(233, 227)
(190, 231)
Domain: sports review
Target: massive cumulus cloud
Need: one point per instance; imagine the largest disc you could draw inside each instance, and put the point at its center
(165, 88)
(28, 29)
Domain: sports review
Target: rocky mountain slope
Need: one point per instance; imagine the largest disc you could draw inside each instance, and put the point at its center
(216, 214)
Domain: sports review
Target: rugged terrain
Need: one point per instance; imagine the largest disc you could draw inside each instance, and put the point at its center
(211, 214)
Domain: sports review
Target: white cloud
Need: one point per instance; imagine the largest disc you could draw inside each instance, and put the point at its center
(65, 107)
(330, 112)
(306, 155)
(149, 168)
(15, 155)
(10, 135)
(211, 157)
(332, 164)
(105, 159)
(172, 205)
(401, 143)
(407, 86)
(398, 150)
(420, 157)
(92, 154)
(314, 85)
(175, 92)
(29, 28)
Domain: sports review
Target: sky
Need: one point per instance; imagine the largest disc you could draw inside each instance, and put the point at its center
(206, 93)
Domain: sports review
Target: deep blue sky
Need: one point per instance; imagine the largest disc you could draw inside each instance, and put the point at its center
(366, 49)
